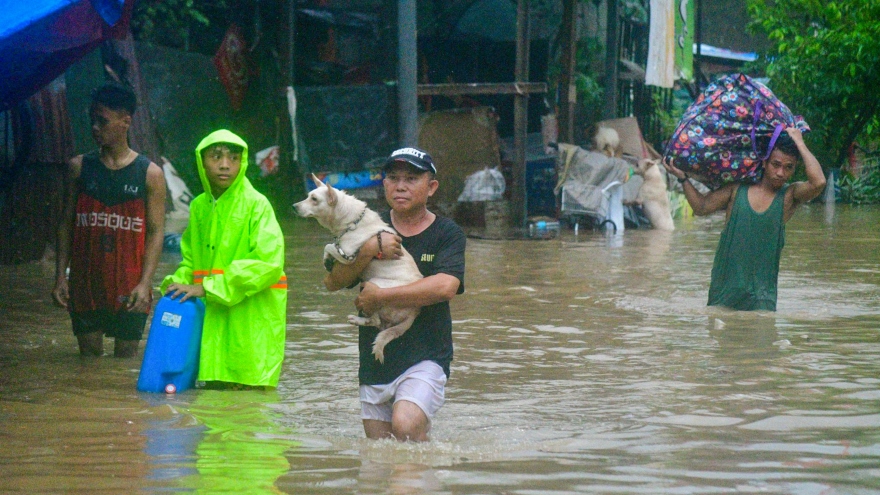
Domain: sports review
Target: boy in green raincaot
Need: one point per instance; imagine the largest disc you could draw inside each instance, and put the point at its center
(233, 257)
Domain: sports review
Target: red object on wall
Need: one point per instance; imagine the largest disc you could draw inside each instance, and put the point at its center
(232, 65)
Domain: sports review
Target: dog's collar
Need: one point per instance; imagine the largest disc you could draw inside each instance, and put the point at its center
(351, 226)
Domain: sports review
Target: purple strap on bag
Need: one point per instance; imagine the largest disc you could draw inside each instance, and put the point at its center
(776, 132)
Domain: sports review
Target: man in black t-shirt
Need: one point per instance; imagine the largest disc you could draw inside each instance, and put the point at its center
(400, 396)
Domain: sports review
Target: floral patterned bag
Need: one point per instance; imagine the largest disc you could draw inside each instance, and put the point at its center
(715, 141)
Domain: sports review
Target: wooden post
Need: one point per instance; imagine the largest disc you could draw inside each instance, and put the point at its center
(452, 89)
(291, 38)
(518, 199)
(612, 47)
(698, 38)
(568, 96)
(407, 101)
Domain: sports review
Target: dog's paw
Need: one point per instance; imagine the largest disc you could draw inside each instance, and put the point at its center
(379, 352)
(372, 321)
(382, 339)
(357, 320)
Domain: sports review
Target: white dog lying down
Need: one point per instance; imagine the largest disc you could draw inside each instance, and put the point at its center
(353, 224)
(652, 195)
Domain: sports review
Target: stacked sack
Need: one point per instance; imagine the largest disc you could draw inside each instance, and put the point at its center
(715, 142)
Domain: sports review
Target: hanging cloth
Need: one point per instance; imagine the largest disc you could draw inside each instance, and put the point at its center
(661, 44)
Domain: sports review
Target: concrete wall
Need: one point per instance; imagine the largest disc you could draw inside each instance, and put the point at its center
(186, 102)
(725, 26)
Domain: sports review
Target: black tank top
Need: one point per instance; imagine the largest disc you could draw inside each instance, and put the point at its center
(112, 187)
(109, 233)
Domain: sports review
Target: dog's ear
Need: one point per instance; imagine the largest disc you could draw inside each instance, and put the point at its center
(332, 197)
(317, 181)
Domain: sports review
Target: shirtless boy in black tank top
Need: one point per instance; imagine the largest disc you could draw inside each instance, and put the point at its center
(111, 231)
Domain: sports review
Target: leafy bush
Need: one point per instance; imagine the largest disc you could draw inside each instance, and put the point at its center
(173, 22)
(823, 63)
(863, 188)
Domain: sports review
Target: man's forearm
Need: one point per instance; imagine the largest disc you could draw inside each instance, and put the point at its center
(425, 292)
(342, 275)
(806, 191)
(153, 249)
(62, 260)
(64, 234)
(694, 198)
(812, 167)
(62, 249)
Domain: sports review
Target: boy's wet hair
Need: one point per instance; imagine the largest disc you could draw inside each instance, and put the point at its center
(115, 96)
(784, 143)
(233, 148)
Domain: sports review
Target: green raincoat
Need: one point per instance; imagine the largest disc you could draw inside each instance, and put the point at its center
(234, 247)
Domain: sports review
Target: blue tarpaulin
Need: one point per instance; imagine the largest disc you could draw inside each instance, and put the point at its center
(39, 39)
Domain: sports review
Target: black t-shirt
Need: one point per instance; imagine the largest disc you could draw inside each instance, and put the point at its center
(439, 249)
(109, 234)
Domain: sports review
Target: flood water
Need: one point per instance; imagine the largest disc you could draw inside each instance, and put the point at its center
(585, 364)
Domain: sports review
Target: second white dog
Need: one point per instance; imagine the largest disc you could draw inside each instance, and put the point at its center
(607, 141)
(353, 224)
(652, 195)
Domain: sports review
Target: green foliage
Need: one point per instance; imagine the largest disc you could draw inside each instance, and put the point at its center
(635, 10)
(589, 90)
(586, 79)
(862, 188)
(670, 117)
(824, 63)
(171, 22)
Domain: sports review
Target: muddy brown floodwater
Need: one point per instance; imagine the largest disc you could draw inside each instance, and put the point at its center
(585, 364)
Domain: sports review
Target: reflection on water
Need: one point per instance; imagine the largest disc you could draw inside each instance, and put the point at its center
(585, 364)
(218, 441)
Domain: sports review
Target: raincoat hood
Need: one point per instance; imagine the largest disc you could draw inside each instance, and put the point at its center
(222, 136)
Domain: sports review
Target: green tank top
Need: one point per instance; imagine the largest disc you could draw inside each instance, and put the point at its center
(746, 267)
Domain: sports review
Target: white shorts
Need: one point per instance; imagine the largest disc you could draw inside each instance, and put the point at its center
(423, 384)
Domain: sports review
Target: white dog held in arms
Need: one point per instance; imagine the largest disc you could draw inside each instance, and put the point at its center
(353, 224)
(652, 195)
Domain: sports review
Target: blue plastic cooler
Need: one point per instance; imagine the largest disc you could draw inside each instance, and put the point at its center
(171, 355)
